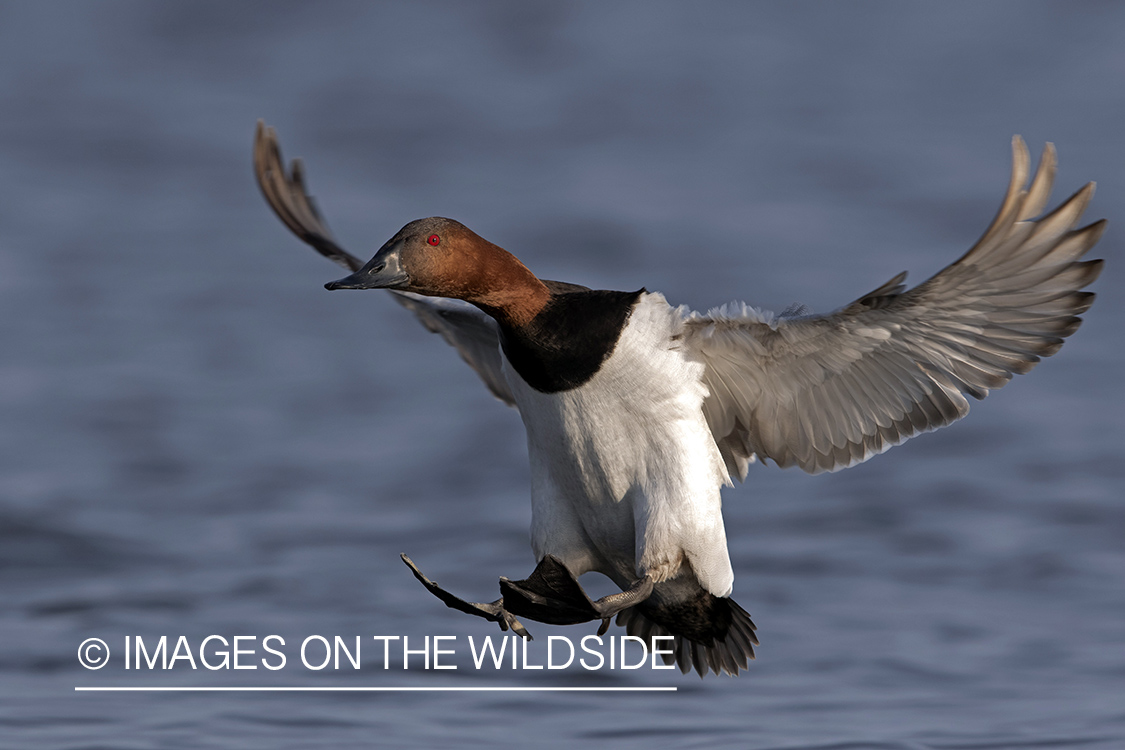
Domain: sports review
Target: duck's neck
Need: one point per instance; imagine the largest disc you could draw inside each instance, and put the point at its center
(508, 290)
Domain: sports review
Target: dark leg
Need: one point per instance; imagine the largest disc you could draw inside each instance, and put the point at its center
(494, 611)
(551, 595)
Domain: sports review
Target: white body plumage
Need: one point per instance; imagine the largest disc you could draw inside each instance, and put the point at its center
(625, 473)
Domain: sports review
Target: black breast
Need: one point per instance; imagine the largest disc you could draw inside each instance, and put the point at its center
(567, 342)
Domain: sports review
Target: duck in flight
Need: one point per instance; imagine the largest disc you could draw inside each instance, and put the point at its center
(637, 412)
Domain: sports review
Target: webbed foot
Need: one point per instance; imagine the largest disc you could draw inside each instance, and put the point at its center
(554, 596)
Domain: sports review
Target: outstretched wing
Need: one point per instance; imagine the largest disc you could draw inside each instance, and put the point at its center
(287, 196)
(825, 392)
(467, 329)
(472, 333)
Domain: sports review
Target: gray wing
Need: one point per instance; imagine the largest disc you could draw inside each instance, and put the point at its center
(286, 195)
(472, 333)
(829, 391)
(467, 329)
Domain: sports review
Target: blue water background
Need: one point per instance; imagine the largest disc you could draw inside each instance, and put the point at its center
(198, 439)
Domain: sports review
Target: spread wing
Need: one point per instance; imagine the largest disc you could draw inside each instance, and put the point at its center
(467, 329)
(824, 392)
(289, 199)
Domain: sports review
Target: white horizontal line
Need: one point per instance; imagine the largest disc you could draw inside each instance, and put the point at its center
(310, 689)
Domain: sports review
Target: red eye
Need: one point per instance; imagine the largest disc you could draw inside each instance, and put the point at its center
(434, 239)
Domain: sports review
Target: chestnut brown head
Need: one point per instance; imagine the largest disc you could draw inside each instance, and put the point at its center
(444, 258)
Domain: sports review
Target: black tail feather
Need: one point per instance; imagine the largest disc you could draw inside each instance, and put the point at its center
(711, 633)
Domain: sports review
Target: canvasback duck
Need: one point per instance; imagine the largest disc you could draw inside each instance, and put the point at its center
(637, 412)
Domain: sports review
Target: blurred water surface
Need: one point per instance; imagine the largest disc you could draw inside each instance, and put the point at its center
(198, 439)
